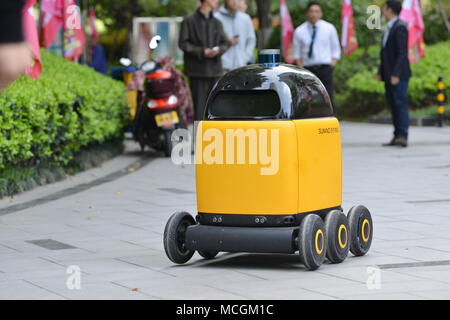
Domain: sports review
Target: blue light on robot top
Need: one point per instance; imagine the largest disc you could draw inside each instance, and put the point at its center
(269, 57)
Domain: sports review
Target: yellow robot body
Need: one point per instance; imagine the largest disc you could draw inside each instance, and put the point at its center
(269, 172)
(304, 175)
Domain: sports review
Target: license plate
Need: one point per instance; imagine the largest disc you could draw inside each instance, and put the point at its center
(166, 119)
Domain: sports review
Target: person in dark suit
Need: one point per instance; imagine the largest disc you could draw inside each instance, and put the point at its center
(395, 71)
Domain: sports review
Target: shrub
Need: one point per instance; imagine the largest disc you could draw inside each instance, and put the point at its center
(435, 29)
(359, 94)
(68, 108)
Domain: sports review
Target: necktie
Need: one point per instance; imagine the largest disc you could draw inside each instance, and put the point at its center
(312, 42)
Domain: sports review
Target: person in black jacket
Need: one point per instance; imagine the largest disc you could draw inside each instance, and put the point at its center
(203, 41)
(395, 71)
(15, 54)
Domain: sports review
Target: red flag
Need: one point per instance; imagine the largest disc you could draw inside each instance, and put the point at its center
(31, 37)
(92, 18)
(73, 31)
(51, 21)
(348, 41)
(413, 16)
(287, 32)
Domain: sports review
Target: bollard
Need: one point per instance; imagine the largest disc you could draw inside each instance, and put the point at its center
(440, 100)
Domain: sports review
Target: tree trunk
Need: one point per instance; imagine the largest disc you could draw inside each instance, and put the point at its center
(444, 15)
(114, 44)
(135, 10)
(265, 22)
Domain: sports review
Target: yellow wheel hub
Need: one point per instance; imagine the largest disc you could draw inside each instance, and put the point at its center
(342, 228)
(365, 222)
(319, 233)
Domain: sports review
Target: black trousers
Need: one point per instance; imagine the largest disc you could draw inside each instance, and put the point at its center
(397, 97)
(325, 73)
(200, 89)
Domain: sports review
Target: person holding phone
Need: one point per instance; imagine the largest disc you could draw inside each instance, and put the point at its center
(203, 42)
(238, 27)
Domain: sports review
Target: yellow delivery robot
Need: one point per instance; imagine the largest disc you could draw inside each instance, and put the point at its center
(269, 172)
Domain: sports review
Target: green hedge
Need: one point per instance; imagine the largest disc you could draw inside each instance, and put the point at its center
(70, 107)
(359, 94)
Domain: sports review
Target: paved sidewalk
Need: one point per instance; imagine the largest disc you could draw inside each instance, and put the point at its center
(113, 232)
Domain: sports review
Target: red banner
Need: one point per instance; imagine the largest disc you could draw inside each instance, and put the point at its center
(31, 37)
(348, 41)
(287, 30)
(93, 32)
(73, 31)
(413, 16)
(51, 21)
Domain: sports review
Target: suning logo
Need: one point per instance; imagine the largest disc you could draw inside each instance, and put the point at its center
(211, 149)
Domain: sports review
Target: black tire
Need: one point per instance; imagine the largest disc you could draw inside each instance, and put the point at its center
(142, 145)
(168, 145)
(174, 237)
(181, 123)
(312, 242)
(361, 230)
(208, 255)
(337, 231)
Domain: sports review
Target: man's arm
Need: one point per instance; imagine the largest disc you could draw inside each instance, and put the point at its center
(299, 63)
(296, 50)
(378, 77)
(335, 46)
(185, 45)
(223, 39)
(401, 46)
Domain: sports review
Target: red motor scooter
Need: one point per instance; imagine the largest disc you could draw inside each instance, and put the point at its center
(158, 113)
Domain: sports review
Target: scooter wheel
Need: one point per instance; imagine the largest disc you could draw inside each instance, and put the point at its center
(312, 242)
(208, 255)
(361, 230)
(336, 229)
(168, 144)
(175, 236)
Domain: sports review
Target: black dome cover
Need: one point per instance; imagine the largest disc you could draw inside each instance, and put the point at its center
(301, 94)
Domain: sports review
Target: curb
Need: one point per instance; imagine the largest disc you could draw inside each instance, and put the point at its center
(414, 121)
(133, 167)
(85, 159)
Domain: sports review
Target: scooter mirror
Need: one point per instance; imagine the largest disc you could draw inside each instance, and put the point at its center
(125, 62)
(148, 66)
(155, 42)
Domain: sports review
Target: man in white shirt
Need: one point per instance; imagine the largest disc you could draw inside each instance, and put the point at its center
(316, 46)
(239, 29)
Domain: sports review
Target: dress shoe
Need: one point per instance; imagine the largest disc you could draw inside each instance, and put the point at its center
(401, 141)
(390, 144)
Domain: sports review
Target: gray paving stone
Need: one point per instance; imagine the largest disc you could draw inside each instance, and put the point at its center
(433, 294)
(19, 289)
(386, 296)
(117, 230)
